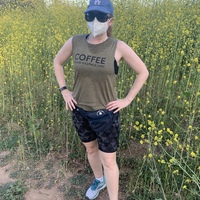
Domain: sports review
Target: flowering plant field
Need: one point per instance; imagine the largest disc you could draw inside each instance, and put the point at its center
(165, 116)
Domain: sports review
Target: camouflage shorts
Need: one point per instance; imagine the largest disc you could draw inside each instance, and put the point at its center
(108, 140)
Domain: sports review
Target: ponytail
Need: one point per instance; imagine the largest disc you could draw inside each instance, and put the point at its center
(109, 31)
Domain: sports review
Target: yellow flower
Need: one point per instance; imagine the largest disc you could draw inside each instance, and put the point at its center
(156, 138)
(196, 60)
(150, 155)
(180, 146)
(175, 171)
(162, 161)
(168, 129)
(193, 154)
(175, 139)
(136, 128)
(169, 141)
(149, 128)
(188, 180)
(190, 127)
(184, 187)
(187, 147)
(137, 123)
(198, 168)
(171, 132)
(141, 142)
(147, 141)
(172, 160)
(176, 135)
(142, 136)
(196, 137)
(167, 68)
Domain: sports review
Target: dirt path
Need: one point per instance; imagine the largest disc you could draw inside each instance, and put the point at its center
(42, 194)
(60, 189)
(33, 193)
(48, 179)
(5, 170)
(38, 183)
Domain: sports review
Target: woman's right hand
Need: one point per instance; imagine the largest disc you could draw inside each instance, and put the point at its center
(69, 100)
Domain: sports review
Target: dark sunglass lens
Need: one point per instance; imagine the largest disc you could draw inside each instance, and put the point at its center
(102, 17)
(89, 17)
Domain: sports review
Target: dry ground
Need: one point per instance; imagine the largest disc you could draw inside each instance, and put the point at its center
(49, 179)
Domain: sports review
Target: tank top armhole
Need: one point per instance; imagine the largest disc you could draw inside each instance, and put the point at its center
(116, 67)
(86, 37)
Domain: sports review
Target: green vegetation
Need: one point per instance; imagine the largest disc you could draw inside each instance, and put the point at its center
(164, 117)
(12, 190)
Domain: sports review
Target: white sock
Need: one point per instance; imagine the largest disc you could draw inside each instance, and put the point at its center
(100, 179)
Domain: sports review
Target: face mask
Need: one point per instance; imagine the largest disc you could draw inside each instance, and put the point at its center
(97, 28)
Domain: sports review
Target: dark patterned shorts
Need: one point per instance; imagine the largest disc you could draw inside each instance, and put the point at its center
(108, 140)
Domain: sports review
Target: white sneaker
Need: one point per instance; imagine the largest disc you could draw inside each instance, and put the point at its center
(95, 188)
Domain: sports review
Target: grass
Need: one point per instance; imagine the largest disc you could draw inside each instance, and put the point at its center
(164, 117)
(12, 190)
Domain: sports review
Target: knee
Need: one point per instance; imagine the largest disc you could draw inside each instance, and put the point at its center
(92, 149)
(109, 163)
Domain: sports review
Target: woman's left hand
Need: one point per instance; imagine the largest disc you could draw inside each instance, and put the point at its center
(118, 104)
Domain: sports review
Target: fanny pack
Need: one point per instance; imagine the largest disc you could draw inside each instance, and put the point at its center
(99, 120)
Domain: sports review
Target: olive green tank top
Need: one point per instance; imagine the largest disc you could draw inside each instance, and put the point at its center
(94, 74)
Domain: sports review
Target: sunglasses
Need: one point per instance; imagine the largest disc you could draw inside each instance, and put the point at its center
(101, 17)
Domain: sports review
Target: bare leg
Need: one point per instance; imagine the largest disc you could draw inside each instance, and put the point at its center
(92, 149)
(111, 172)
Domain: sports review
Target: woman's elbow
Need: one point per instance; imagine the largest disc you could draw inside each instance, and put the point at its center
(56, 63)
(147, 73)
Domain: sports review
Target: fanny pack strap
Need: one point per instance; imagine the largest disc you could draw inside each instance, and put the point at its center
(93, 114)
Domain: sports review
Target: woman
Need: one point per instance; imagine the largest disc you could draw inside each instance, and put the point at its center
(93, 101)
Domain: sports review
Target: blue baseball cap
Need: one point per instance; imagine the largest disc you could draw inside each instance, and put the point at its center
(104, 6)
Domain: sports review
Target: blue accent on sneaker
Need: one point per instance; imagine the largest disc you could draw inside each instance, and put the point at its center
(95, 184)
(95, 188)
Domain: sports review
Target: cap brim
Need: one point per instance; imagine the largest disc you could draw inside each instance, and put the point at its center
(97, 8)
